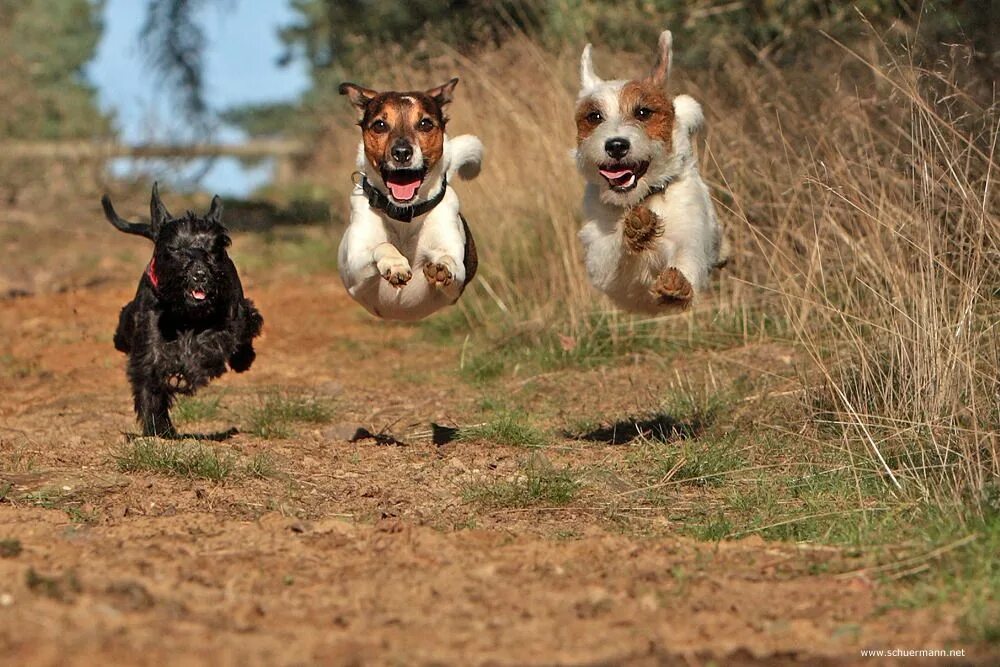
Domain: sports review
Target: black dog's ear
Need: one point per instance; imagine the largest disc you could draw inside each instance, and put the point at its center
(158, 213)
(443, 93)
(359, 95)
(215, 211)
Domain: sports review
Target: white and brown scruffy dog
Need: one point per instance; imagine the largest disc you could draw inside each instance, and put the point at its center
(651, 236)
(405, 217)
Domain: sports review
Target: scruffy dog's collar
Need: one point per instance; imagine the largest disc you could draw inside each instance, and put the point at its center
(655, 190)
(378, 200)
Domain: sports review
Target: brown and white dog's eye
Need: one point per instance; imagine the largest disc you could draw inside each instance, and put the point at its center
(379, 126)
(595, 117)
(644, 113)
(425, 125)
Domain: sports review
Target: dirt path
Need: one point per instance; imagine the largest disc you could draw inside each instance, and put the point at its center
(356, 553)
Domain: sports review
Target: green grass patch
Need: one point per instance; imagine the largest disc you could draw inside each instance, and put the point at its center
(606, 336)
(261, 466)
(539, 484)
(276, 414)
(508, 428)
(197, 408)
(178, 459)
(48, 498)
(693, 462)
(785, 488)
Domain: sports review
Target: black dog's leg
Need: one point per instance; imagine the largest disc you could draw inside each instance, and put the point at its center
(153, 407)
(150, 360)
(248, 323)
(209, 351)
(126, 328)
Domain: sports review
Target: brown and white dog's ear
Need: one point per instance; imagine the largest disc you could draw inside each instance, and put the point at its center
(588, 77)
(359, 95)
(443, 93)
(661, 73)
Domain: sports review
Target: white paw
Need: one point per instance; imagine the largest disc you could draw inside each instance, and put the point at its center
(396, 271)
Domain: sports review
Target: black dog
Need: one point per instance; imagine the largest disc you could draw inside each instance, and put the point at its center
(189, 317)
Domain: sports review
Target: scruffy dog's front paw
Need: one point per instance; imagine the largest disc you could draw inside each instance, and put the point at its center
(178, 383)
(672, 288)
(438, 274)
(395, 271)
(640, 229)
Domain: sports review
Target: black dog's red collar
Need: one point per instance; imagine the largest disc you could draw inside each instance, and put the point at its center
(151, 273)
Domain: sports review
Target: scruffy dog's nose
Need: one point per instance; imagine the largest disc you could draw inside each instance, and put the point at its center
(617, 147)
(402, 152)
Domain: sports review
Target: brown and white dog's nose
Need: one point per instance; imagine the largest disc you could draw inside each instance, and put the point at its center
(617, 147)
(401, 151)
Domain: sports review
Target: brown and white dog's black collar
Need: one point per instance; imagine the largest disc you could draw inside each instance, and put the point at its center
(657, 189)
(380, 201)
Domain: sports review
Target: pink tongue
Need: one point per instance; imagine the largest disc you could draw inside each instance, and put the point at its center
(404, 191)
(198, 294)
(615, 175)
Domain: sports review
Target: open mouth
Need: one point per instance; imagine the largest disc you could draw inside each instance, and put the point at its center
(198, 294)
(403, 184)
(623, 177)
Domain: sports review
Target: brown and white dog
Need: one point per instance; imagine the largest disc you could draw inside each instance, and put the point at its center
(651, 236)
(404, 213)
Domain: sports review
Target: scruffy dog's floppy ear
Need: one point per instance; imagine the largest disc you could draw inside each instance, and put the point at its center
(158, 213)
(215, 211)
(588, 76)
(661, 73)
(442, 94)
(359, 95)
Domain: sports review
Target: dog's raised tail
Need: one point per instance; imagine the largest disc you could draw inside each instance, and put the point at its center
(466, 156)
(125, 225)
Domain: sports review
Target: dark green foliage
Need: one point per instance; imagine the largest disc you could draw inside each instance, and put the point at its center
(44, 45)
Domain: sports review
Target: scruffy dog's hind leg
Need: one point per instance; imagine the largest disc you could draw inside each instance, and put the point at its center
(672, 289)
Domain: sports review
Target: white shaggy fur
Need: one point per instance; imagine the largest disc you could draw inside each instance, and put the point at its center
(690, 236)
(375, 245)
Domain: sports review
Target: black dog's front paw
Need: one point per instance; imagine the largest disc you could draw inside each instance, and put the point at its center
(178, 383)
(242, 359)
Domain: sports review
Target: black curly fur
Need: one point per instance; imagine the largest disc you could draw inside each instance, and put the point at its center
(177, 343)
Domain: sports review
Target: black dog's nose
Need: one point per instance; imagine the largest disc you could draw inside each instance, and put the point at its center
(617, 147)
(402, 152)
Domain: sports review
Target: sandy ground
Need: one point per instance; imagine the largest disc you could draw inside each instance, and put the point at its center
(360, 553)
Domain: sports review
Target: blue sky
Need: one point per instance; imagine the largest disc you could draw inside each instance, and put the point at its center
(241, 68)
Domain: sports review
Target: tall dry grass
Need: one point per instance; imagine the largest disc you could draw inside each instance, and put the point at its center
(858, 194)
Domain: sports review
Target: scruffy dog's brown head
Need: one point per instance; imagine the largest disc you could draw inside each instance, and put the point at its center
(403, 135)
(631, 136)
